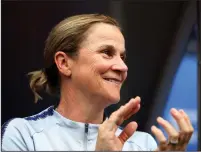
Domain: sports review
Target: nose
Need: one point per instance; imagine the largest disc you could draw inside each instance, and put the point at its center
(120, 66)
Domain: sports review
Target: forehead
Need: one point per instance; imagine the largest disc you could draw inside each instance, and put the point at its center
(104, 34)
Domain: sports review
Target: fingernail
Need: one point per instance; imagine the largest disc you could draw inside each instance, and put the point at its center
(135, 126)
(159, 119)
(152, 128)
(174, 111)
(181, 110)
(137, 97)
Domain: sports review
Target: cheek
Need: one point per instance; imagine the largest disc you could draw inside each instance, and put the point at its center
(102, 68)
(94, 75)
(99, 66)
(92, 67)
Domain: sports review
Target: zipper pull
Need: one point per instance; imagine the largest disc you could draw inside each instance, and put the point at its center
(86, 127)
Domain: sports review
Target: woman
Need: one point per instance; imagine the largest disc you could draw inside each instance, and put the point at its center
(84, 63)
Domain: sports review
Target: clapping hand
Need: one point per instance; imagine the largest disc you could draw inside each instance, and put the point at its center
(177, 140)
(107, 140)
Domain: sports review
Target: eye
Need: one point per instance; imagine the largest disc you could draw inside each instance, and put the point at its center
(123, 57)
(107, 53)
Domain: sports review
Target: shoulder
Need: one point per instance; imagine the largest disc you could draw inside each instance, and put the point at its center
(42, 120)
(13, 135)
(12, 125)
(18, 132)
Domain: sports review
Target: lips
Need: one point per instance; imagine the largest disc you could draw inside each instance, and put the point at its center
(113, 80)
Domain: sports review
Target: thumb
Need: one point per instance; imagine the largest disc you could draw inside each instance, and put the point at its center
(128, 132)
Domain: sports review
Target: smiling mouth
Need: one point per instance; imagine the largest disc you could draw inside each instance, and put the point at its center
(115, 81)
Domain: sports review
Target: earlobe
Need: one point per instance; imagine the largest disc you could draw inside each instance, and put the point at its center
(63, 63)
(68, 72)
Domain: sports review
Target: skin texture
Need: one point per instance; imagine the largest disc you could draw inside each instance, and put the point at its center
(85, 87)
(183, 135)
(83, 83)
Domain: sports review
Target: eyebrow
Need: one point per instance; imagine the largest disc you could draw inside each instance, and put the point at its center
(111, 47)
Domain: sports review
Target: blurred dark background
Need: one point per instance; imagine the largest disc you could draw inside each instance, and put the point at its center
(158, 34)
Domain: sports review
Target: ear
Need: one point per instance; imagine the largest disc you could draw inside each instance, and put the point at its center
(63, 62)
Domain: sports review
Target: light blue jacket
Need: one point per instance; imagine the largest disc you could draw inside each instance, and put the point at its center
(50, 131)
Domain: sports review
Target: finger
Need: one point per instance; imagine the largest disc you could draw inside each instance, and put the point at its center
(135, 110)
(128, 132)
(186, 117)
(112, 123)
(183, 125)
(172, 132)
(160, 137)
(119, 116)
(134, 105)
(191, 129)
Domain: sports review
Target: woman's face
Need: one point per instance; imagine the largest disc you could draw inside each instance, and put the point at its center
(99, 71)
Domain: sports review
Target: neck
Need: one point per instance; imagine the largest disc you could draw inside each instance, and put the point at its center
(78, 107)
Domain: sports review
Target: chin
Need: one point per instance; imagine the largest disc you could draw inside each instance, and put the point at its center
(113, 99)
